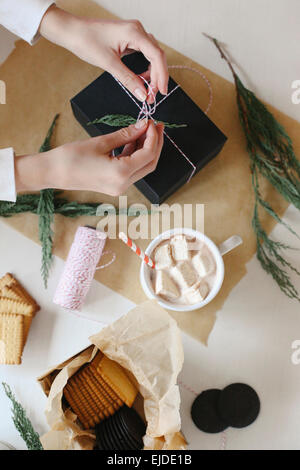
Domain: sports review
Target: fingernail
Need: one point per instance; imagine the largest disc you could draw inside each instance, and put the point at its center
(140, 94)
(142, 123)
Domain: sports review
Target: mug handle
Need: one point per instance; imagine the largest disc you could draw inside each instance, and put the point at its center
(230, 244)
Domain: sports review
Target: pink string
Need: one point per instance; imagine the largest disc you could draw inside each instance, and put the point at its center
(223, 442)
(85, 317)
(189, 389)
(113, 258)
(147, 110)
(80, 268)
(192, 69)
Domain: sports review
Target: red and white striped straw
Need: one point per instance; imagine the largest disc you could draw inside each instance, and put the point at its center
(136, 249)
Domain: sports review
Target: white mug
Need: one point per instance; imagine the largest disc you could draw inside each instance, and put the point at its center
(217, 252)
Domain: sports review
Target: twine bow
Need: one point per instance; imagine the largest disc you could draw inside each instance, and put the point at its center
(148, 110)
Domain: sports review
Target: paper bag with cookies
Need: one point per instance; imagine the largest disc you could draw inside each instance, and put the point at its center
(120, 393)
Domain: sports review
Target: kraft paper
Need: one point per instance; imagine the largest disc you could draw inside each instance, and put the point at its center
(40, 82)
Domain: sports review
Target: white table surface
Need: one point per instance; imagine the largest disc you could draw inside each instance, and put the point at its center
(251, 343)
(252, 338)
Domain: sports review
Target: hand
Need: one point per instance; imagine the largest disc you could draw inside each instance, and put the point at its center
(104, 42)
(89, 165)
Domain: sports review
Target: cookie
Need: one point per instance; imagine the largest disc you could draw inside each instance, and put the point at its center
(11, 338)
(113, 436)
(9, 283)
(15, 299)
(26, 328)
(122, 436)
(88, 398)
(205, 414)
(109, 399)
(15, 306)
(132, 423)
(107, 391)
(79, 406)
(132, 443)
(97, 390)
(6, 280)
(100, 432)
(10, 294)
(238, 405)
(116, 378)
(110, 434)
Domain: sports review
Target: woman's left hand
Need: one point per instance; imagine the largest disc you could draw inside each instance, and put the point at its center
(104, 42)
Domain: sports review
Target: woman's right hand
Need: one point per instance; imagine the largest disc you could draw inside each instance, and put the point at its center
(89, 165)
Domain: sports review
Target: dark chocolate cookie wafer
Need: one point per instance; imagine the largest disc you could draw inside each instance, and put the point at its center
(107, 439)
(110, 436)
(205, 414)
(100, 432)
(121, 434)
(133, 424)
(132, 442)
(238, 405)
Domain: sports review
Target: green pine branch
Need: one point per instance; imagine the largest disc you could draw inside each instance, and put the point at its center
(272, 157)
(124, 120)
(71, 209)
(45, 211)
(22, 423)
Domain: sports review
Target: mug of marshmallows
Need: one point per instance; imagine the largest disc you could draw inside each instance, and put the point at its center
(189, 268)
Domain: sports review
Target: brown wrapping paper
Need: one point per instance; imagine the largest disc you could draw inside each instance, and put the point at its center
(147, 343)
(41, 80)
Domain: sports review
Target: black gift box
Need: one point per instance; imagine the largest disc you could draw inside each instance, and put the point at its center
(200, 141)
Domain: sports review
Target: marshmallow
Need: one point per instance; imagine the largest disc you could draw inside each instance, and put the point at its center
(165, 286)
(197, 293)
(180, 249)
(184, 274)
(162, 256)
(203, 264)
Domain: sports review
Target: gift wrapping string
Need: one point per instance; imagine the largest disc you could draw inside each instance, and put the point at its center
(148, 110)
(80, 267)
(223, 442)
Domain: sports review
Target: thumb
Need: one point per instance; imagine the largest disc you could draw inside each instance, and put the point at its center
(129, 79)
(124, 136)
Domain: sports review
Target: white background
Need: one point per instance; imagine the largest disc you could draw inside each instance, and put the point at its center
(263, 37)
(252, 339)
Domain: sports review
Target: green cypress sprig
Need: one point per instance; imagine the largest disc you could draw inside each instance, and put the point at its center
(24, 203)
(45, 211)
(22, 423)
(271, 156)
(70, 209)
(124, 120)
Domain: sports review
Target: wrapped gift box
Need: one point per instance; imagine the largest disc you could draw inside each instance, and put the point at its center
(200, 140)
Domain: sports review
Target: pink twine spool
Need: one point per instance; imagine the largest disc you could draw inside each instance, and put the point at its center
(80, 268)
